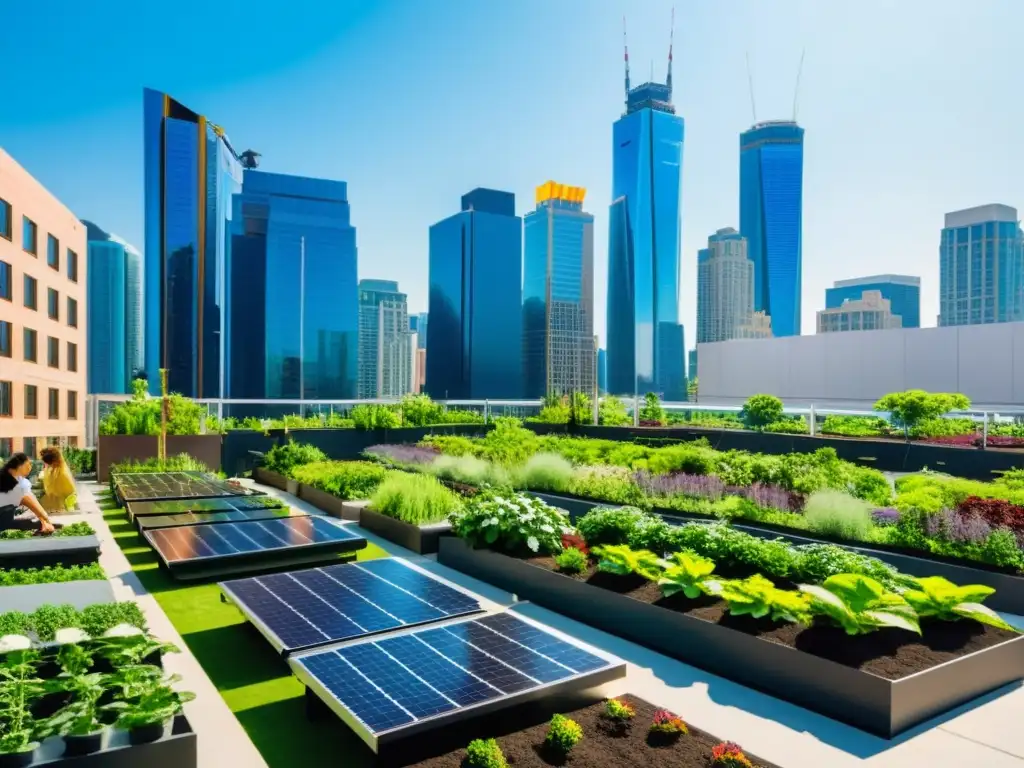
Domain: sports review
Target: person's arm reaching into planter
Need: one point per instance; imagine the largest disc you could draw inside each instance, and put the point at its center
(16, 491)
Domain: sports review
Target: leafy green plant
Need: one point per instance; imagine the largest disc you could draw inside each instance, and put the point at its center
(667, 724)
(686, 574)
(471, 470)
(155, 702)
(611, 525)
(513, 522)
(81, 715)
(47, 619)
(10, 577)
(414, 498)
(485, 753)
(72, 529)
(761, 410)
(651, 412)
(611, 412)
(374, 417)
(20, 686)
(758, 598)
(420, 411)
(937, 597)
(285, 457)
(345, 479)
(860, 604)
(910, 408)
(101, 617)
(616, 709)
(545, 472)
(571, 560)
(563, 734)
(837, 514)
(623, 561)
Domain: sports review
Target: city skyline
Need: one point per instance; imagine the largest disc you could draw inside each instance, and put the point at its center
(847, 103)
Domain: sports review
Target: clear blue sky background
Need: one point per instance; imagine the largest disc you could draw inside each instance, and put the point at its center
(912, 108)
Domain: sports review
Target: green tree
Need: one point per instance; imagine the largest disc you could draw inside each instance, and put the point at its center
(761, 410)
(910, 408)
(651, 412)
(612, 412)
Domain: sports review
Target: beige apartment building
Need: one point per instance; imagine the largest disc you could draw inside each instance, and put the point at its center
(42, 316)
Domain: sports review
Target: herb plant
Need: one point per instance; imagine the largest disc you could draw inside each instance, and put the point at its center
(668, 724)
(861, 605)
(758, 598)
(623, 561)
(938, 597)
(345, 479)
(512, 522)
(563, 734)
(81, 715)
(413, 498)
(729, 755)
(686, 574)
(485, 753)
(154, 701)
(19, 687)
(571, 560)
(616, 709)
(10, 577)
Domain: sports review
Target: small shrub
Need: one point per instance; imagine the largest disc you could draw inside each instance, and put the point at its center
(910, 408)
(667, 725)
(886, 516)
(471, 471)
(573, 541)
(612, 412)
(729, 755)
(651, 413)
(345, 479)
(610, 525)
(761, 410)
(617, 709)
(563, 734)
(414, 498)
(545, 472)
(833, 513)
(485, 753)
(571, 561)
(998, 513)
(374, 417)
(284, 458)
(513, 522)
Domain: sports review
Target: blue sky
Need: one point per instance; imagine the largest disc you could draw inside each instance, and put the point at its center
(912, 108)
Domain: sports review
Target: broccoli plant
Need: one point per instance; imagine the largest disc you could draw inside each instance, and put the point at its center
(686, 574)
(623, 561)
(938, 597)
(758, 597)
(860, 604)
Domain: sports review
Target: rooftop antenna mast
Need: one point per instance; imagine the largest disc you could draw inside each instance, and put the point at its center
(625, 49)
(750, 82)
(796, 90)
(671, 36)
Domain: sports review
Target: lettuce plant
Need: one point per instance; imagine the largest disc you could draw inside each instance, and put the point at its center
(623, 561)
(757, 597)
(514, 522)
(860, 604)
(938, 597)
(685, 574)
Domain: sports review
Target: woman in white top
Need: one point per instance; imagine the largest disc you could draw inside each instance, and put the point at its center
(16, 491)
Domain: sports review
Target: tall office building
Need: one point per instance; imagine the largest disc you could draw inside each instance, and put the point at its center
(870, 312)
(386, 356)
(293, 317)
(903, 293)
(114, 322)
(725, 287)
(418, 323)
(191, 173)
(981, 267)
(558, 293)
(476, 307)
(644, 334)
(771, 212)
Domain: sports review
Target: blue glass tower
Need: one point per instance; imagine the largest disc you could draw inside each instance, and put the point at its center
(114, 322)
(602, 371)
(771, 206)
(292, 310)
(558, 293)
(902, 291)
(645, 350)
(190, 174)
(475, 300)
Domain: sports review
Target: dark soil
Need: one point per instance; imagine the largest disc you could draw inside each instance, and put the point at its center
(603, 745)
(888, 653)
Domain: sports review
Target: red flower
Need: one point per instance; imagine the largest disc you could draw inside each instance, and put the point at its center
(668, 723)
(998, 513)
(572, 541)
(730, 754)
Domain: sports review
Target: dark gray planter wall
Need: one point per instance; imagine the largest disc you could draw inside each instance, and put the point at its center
(866, 701)
(420, 539)
(273, 479)
(322, 500)
(114, 449)
(177, 749)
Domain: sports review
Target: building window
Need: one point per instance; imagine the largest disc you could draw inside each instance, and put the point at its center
(29, 343)
(6, 447)
(29, 236)
(53, 304)
(52, 352)
(6, 407)
(54, 403)
(73, 441)
(28, 445)
(31, 286)
(53, 252)
(72, 404)
(72, 312)
(72, 266)
(72, 357)
(5, 219)
(6, 341)
(6, 281)
(31, 401)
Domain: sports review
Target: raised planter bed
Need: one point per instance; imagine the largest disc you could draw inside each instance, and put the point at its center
(176, 749)
(27, 597)
(49, 550)
(421, 539)
(116, 449)
(883, 705)
(273, 479)
(323, 501)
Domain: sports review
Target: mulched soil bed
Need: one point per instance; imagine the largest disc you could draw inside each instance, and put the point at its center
(602, 746)
(888, 653)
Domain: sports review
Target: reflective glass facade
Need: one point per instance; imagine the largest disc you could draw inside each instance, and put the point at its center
(981, 267)
(191, 174)
(644, 352)
(386, 340)
(114, 307)
(558, 294)
(475, 300)
(771, 211)
(903, 293)
(292, 316)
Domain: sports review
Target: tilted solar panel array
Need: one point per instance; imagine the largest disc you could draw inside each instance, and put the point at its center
(220, 504)
(149, 522)
(317, 606)
(173, 485)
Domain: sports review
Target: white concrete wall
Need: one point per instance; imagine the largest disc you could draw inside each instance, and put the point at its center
(855, 368)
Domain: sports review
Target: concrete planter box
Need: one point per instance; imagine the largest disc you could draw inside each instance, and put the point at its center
(175, 749)
(49, 550)
(322, 500)
(867, 701)
(273, 479)
(114, 449)
(27, 597)
(422, 539)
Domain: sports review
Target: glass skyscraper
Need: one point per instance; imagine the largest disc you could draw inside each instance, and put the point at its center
(293, 318)
(644, 341)
(475, 302)
(114, 308)
(191, 173)
(902, 291)
(558, 293)
(981, 267)
(386, 354)
(771, 210)
(725, 287)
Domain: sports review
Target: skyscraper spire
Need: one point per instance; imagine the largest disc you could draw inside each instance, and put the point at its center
(671, 35)
(625, 49)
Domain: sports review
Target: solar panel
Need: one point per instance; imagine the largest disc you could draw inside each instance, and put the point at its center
(150, 522)
(306, 609)
(138, 509)
(150, 486)
(393, 687)
(230, 547)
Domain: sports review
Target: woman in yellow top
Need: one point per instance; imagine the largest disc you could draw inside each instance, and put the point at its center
(59, 493)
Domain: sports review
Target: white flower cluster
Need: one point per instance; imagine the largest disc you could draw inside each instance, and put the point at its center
(510, 521)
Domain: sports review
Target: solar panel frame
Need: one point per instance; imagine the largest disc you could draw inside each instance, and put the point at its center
(384, 570)
(186, 519)
(137, 486)
(611, 668)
